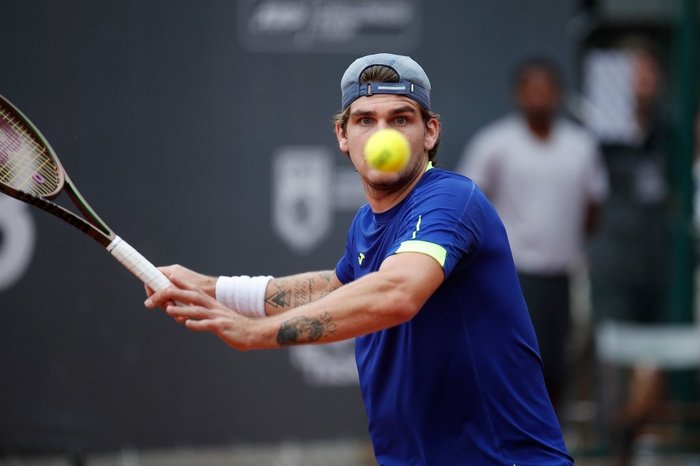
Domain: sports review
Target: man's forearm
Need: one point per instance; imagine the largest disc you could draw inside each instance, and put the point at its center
(363, 306)
(285, 293)
(376, 301)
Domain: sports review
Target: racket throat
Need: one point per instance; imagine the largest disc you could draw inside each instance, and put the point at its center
(85, 209)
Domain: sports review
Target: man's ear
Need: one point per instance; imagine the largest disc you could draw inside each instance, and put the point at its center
(342, 136)
(432, 133)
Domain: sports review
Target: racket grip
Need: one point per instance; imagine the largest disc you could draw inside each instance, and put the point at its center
(137, 264)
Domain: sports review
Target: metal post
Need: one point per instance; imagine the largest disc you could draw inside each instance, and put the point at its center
(687, 102)
(684, 383)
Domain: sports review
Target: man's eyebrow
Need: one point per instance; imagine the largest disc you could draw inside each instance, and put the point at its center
(405, 109)
(402, 109)
(361, 112)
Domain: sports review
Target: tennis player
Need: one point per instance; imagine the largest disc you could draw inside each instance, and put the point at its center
(447, 357)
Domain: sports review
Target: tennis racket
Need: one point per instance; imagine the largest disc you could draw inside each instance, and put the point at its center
(31, 172)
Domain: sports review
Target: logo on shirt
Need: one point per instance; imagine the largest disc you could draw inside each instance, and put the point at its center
(360, 258)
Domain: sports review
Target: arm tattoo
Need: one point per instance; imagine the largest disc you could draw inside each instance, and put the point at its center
(279, 296)
(326, 277)
(288, 294)
(303, 291)
(302, 329)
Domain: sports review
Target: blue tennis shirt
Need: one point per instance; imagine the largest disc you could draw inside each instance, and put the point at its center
(461, 383)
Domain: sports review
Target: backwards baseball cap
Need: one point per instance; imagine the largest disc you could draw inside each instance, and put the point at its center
(413, 82)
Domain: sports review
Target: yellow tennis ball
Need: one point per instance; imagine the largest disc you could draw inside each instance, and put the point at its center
(387, 150)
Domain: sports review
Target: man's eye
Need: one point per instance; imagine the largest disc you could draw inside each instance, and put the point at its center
(365, 120)
(401, 120)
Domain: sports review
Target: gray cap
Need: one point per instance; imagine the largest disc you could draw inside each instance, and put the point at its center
(413, 82)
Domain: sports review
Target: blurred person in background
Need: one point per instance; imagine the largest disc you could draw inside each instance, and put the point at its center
(630, 254)
(544, 175)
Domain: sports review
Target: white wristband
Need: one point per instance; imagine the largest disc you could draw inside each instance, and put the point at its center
(243, 294)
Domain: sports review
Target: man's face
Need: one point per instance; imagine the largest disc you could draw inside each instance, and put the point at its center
(647, 77)
(537, 95)
(369, 114)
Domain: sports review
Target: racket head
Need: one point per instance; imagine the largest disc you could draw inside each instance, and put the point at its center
(28, 164)
(31, 172)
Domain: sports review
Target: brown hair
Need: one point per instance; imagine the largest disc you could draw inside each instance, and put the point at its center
(544, 65)
(385, 74)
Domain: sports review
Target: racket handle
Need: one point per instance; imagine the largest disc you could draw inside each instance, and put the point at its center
(137, 264)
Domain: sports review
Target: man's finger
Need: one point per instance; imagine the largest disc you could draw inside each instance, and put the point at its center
(177, 281)
(171, 293)
(189, 312)
(200, 325)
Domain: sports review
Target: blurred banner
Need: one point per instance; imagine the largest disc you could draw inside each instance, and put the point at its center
(329, 25)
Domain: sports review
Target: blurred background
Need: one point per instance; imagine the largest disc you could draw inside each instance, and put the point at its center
(201, 132)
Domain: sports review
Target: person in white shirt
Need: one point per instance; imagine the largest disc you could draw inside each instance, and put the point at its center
(545, 176)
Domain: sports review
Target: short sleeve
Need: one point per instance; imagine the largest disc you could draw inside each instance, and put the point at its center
(479, 162)
(442, 224)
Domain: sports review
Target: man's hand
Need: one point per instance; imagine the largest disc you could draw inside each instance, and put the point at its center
(200, 312)
(188, 277)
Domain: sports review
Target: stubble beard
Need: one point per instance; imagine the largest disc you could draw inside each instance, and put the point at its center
(386, 187)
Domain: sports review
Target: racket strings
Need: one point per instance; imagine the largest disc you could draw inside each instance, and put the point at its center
(26, 153)
(25, 164)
